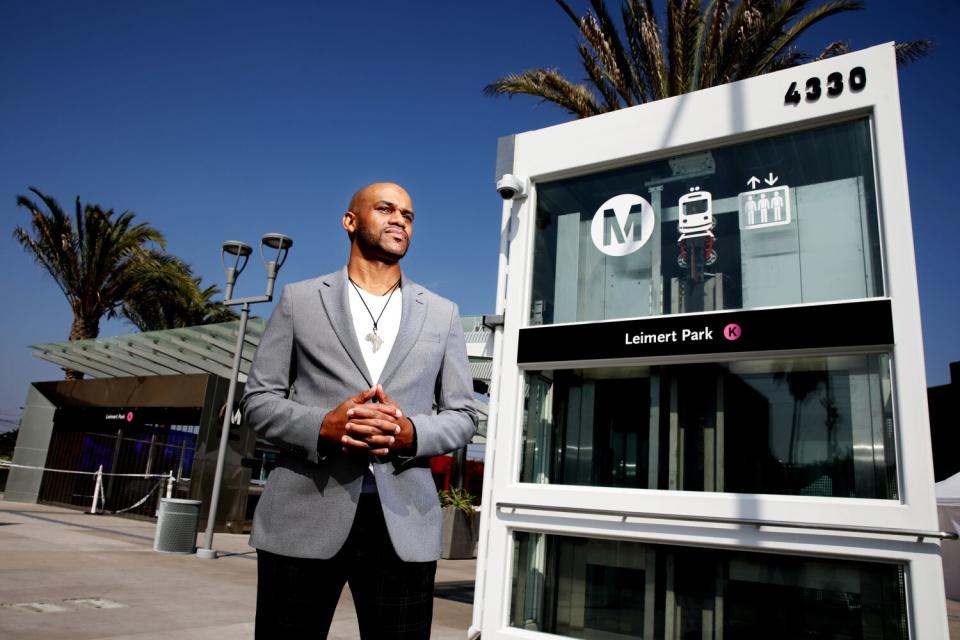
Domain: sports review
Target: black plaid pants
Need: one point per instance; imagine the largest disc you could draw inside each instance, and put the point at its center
(297, 597)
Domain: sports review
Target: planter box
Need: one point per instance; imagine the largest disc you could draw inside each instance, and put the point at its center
(460, 534)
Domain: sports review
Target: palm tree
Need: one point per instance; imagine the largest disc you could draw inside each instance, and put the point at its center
(703, 46)
(180, 300)
(103, 263)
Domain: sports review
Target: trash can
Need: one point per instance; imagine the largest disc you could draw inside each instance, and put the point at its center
(177, 526)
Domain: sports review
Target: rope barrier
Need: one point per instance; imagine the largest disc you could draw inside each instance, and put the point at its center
(99, 497)
(141, 501)
(84, 473)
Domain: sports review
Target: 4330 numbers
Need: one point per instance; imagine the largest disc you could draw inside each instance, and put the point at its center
(833, 87)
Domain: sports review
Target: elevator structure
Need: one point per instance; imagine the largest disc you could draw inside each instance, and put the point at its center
(709, 414)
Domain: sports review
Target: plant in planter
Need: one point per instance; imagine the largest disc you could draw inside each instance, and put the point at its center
(461, 524)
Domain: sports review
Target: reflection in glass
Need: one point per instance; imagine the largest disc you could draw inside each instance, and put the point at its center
(608, 589)
(803, 426)
(804, 230)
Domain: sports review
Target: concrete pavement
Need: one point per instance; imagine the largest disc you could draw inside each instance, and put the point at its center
(65, 574)
(68, 575)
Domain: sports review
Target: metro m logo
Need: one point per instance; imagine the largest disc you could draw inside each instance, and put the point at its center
(622, 225)
(612, 226)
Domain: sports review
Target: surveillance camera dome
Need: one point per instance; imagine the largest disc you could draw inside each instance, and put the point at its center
(510, 187)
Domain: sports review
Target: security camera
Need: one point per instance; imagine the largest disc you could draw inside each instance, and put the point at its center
(510, 187)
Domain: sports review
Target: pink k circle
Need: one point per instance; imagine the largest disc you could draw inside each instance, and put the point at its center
(732, 332)
(130, 416)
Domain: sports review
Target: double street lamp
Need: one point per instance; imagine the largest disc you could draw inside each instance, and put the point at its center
(234, 254)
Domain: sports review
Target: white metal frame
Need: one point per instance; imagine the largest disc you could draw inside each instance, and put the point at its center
(722, 115)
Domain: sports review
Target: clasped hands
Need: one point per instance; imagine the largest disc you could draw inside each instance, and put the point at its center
(369, 422)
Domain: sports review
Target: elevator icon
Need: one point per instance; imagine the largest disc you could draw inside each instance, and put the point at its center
(764, 207)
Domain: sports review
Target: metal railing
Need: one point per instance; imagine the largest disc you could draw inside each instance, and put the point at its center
(919, 534)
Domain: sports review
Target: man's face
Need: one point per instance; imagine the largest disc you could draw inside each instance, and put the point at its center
(380, 221)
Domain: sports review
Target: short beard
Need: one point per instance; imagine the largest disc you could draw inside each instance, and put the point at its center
(369, 244)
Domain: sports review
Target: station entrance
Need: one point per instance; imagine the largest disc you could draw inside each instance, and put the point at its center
(134, 445)
(710, 410)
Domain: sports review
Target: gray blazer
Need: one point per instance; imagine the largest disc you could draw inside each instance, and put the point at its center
(308, 362)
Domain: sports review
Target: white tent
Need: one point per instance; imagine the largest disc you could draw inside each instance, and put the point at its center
(948, 513)
(948, 491)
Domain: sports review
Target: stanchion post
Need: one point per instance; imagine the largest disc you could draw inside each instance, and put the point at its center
(97, 482)
(170, 485)
(114, 464)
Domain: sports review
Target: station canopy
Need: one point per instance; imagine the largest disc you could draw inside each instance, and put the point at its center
(203, 349)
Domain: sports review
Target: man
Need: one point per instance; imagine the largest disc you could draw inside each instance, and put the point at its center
(344, 382)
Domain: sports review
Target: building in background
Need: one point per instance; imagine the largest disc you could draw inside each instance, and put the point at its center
(153, 407)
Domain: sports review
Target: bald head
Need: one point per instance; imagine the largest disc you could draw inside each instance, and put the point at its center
(380, 222)
(376, 191)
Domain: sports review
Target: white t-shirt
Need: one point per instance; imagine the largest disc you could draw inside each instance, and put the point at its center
(387, 326)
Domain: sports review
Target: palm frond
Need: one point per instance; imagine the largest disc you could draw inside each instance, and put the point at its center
(789, 59)
(691, 34)
(168, 296)
(833, 49)
(655, 61)
(912, 51)
(567, 10)
(804, 22)
(614, 53)
(675, 59)
(550, 86)
(646, 51)
(41, 257)
(735, 33)
(51, 243)
(598, 77)
(711, 50)
(631, 13)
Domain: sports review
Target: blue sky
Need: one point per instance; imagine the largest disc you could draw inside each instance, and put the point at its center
(215, 120)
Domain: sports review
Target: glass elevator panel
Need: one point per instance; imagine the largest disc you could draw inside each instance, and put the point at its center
(788, 219)
(611, 589)
(818, 426)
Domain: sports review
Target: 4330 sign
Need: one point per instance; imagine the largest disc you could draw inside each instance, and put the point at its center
(835, 85)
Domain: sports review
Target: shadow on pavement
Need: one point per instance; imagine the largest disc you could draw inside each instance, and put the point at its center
(461, 591)
(30, 514)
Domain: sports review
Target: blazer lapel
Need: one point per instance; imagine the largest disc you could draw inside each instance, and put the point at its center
(411, 322)
(334, 294)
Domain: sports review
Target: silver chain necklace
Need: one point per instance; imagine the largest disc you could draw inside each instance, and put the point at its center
(373, 338)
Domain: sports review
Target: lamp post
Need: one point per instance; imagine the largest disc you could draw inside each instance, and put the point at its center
(234, 255)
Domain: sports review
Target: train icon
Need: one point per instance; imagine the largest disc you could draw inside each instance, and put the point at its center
(696, 223)
(696, 214)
